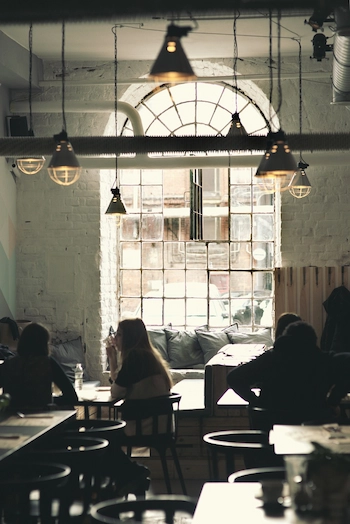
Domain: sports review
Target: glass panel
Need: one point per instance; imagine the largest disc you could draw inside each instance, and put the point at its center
(175, 289)
(218, 256)
(186, 130)
(241, 196)
(205, 112)
(129, 177)
(152, 177)
(130, 307)
(174, 311)
(240, 175)
(131, 197)
(210, 92)
(157, 129)
(219, 316)
(152, 283)
(130, 283)
(196, 255)
(267, 316)
(196, 284)
(130, 257)
(240, 227)
(170, 118)
(241, 283)
(183, 92)
(221, 280)
(161, 101)
(174, 254)
(263, 255)
(262, 283)
(263, 227)
(173, 276)
(130, 228)
(152, 227)
(220, 115)
(152, 255)
(152, 311)
(263, 201)
(152, 199)
(187, 112)
(252, 120)
(146, 115)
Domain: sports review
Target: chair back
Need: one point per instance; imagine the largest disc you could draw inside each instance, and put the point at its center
(258, 475)
(160, 413)
(111, 511)
(252, 445)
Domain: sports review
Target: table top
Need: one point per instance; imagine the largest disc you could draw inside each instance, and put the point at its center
(296, 440)
(226, 503)
(95, 395)
(192, 394)
(17, 432)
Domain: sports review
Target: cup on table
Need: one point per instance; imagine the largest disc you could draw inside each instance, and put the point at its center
(272, 491)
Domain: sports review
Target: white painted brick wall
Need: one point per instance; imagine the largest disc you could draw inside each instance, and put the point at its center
(69, 224)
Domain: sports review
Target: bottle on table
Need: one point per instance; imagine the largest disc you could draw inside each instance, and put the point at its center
(78, 377)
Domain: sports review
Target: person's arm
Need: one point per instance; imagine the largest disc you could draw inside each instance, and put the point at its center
(112, 355)
(117, 392)
(69, 396)
(244, 377)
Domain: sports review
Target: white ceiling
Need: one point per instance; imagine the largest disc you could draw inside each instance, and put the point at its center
(141, 39)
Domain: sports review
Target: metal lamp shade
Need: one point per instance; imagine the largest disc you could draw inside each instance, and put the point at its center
(116, 206)
(64, 168)
(299, 186)
(172, 64)
(236, 128)
(30, 165)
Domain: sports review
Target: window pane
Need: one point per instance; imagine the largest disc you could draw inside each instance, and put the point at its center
(218, 256)
(174, 255)
(263, 227)
(196, 255)
(130, 255)
(240, 227)
(152, 283)
(263, 255)
(130, 282)
(152, 227)
(152, 255)
(130, 228)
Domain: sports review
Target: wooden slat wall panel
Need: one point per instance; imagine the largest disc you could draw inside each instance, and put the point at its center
(303, 290)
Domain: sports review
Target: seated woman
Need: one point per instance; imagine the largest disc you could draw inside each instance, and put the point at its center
(298, 382)
(28, 377)
(143, 373)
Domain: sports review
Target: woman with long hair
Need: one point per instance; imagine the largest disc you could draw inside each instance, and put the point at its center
(143, 372)
(28, 376)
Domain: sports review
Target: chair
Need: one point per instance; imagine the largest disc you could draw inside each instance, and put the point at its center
(252, 445)
(155, 422)
(258, 475)
(19, 480)
(110, 430)
(84, 456)
(110, 511)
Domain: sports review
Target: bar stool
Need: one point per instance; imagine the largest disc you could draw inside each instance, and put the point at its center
(18, 482)
(258, 475)
(84, 456)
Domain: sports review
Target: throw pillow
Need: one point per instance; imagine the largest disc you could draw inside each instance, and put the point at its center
(183, 349)
(68, 354)
(260, 337)
(211, 341)
(159, 342)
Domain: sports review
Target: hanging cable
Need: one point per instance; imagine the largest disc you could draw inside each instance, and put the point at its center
(63, 75)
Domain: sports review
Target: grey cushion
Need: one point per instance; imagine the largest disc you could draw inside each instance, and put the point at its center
(212, 341)
(159, 341)
(68, 354)
(260, 337)
(183, 349)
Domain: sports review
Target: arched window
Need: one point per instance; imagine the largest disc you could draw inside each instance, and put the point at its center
(197, 246)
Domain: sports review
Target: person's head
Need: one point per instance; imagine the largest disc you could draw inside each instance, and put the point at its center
(302, 333)
(132, 334)
(283, 321)
(33, 341)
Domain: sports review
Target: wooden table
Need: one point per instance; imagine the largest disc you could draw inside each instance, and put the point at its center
(224, 503)
(17, 433)
(96, 397)
(296, 440)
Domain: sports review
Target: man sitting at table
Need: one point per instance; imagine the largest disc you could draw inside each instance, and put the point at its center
(298, 382)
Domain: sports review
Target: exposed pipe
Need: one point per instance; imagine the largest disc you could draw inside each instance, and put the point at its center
(111, 145)
(223, 78)
(341, 58)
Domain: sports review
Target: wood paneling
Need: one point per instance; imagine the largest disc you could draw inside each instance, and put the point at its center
(303, 290)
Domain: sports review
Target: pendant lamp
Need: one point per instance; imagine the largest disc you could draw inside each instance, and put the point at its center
(236, 127)
(64, 168)
(278, 165)
(116, 206)
(300, 186)
(172, 64)
(30, 165)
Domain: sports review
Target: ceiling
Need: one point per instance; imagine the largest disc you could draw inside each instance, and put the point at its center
(140, 38)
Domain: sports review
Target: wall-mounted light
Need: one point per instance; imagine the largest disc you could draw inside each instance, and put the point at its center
(172, 64)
